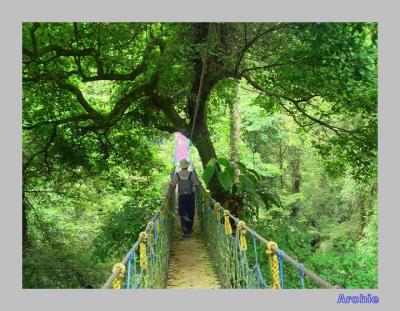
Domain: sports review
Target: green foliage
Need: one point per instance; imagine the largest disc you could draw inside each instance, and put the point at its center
(226, 180)
(226, 175)
(208, 173)
(247, 184)
(81, 224)
(308, 147)
(120, 227)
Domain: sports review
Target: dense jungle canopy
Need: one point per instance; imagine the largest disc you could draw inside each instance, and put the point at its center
(101, 100)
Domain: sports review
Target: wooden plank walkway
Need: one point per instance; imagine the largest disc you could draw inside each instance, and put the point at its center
(190, 265)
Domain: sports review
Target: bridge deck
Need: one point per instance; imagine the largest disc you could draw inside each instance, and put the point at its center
(190, 265)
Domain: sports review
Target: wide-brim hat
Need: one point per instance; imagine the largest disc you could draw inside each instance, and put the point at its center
(184, 163)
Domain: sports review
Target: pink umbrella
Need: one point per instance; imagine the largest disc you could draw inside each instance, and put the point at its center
(181, 147)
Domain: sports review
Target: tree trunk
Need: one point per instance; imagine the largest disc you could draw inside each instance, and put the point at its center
(234, 128)
(295, 166)
(296, 181)
(296, 177)
(235, 201)
(214, 72)
(281, 154)
(25, 207)
(202, 140)
(365, 206)
(201, 136)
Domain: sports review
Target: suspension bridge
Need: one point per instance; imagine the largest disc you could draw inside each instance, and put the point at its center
(216, 250)
(219, 251)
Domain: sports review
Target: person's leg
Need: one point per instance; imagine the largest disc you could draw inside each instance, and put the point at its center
(183, 213)
(191, 211)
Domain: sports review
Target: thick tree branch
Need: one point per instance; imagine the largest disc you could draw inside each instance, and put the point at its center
(260, 67)
(79, 96)
(166, 105)
(267, 92)
(58, 51)
(97, 58)
(214, 71)
(166, 128)
(336, 129)
(158, 42)
(100, 120)
(43, 150)
(33, 37)
(77, 35)
(123, 104)
(253, 40)
(46, 77)
(115, 76)
(77, 118)
(295, 119)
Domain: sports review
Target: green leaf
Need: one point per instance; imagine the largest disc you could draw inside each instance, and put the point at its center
(239, 188)
(257, 176)
(212, 162)
(224, 162)
(247, 183)
(268, 198)
(227, 165)
(241, 166)
(208, 173)
(225, 180)
(252, 174)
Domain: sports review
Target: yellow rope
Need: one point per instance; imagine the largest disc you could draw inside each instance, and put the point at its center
(206, 198)
(143, 250)
(273, 264)
(242, 236)
(120, 276)
(227, 224)
(217, 211)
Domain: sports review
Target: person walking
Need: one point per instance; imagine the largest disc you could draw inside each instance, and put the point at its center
(186, 181)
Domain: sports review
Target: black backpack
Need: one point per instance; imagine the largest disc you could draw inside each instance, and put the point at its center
(185, 186)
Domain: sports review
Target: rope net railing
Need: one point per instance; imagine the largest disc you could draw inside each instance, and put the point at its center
(229, 252)
(146, 263)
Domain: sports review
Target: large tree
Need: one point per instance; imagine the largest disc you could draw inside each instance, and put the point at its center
(322, 74)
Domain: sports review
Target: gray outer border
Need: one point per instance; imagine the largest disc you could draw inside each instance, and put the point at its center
(189, 11)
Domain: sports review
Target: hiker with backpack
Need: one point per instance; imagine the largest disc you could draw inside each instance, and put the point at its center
(186, 181)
